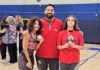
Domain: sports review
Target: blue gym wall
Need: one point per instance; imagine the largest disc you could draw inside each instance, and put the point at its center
(88, 16)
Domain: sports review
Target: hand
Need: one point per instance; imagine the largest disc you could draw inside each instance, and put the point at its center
(29, 65)
(73, 45)
(65, 46)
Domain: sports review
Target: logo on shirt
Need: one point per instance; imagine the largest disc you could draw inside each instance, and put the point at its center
(70, 39)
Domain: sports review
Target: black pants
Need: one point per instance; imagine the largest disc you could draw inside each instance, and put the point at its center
(45, 63)
(20, 46)
(0, 47)
(3, 51)
(64, 66)
(12, 50)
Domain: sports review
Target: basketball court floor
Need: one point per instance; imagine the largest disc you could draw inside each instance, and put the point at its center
(90, 59)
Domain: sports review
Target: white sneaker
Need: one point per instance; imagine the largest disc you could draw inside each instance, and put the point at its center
(4, 61)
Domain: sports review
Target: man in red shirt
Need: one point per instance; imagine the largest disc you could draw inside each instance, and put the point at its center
(47, 54)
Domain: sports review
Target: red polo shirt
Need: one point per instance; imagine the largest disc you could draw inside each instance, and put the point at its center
(70, 55)
(48, 48)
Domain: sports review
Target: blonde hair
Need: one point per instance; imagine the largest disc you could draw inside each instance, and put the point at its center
(19, 20)
(11, 20)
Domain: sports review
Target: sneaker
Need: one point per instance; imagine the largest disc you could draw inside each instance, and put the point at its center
(4, 61)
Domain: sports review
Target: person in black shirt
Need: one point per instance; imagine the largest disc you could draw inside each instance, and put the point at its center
(20, 25)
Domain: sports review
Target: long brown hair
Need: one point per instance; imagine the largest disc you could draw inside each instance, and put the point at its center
(75, 26)
(31, 23)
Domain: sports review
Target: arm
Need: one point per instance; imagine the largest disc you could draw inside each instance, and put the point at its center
(3, 30)
(80, 45)
(77, 46)
(59, 43)
(60, 47)
(38, 45)
(25, 48)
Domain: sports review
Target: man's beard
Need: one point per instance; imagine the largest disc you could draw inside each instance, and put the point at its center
(49, 15)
